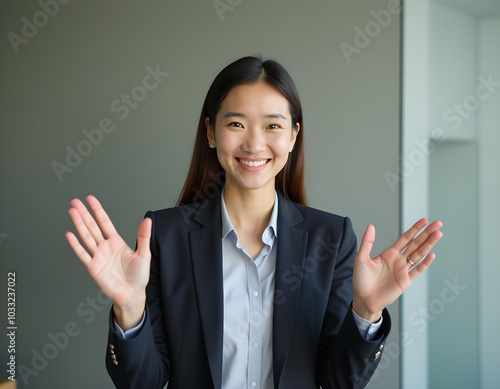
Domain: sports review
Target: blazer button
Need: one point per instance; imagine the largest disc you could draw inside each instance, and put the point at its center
(377, 354)
(113, 355)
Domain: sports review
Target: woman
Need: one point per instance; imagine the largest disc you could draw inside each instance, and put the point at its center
(243, 285)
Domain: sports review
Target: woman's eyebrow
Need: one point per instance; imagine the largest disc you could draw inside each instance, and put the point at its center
(275, 115)
(234, 114)
(239, 114)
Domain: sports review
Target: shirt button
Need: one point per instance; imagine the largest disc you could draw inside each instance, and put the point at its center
(255, 344)
(255, 293)
(253, 383)
(372, 330)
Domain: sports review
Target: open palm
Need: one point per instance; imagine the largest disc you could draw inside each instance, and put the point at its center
(120, 272)
(379, 281)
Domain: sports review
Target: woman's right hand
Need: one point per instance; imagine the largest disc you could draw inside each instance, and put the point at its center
(120, 272)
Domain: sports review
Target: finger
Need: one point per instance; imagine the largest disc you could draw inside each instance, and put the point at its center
(102, 217)
(421, 267)
(367, 241)
(426, 246)
(88, 219)
(80, 252)
(144, 237)
(409, 235)
(83, 230)
(421, 239)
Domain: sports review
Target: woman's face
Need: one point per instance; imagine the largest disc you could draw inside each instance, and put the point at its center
(253, 135)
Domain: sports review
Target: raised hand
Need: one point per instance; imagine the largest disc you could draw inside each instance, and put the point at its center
(379, 281)
(120, 272)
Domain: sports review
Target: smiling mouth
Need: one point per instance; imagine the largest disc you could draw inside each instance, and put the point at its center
(253, 163)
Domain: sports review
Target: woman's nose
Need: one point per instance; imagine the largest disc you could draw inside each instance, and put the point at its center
(254, 142)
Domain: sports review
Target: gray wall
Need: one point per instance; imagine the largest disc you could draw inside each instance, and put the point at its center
(64, 80)
(449, 53)
(463, 193)
(489, 207)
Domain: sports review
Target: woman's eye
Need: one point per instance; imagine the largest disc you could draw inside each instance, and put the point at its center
(235, 124)
(274, 126)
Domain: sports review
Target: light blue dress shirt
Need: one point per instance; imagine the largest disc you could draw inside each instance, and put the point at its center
(248, 287)
(248, 307)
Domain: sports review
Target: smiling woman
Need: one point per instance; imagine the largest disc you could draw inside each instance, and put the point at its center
(253, 134)
(262, 78)
(250, 288)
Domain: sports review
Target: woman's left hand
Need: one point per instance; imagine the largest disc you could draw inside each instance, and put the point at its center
(379, 281)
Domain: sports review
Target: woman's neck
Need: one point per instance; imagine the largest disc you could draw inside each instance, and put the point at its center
(249, 209)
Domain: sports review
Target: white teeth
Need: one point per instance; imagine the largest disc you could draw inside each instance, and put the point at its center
(252, 163)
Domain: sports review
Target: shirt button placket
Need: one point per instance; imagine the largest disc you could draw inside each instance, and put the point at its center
(255, 327)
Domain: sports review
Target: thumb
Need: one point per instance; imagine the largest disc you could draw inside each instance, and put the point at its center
(367, 242)
(143, 237)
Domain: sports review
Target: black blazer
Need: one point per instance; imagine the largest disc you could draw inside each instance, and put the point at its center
(315, 339)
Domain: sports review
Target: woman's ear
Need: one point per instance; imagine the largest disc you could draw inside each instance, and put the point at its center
(295, 132)
(210, 133)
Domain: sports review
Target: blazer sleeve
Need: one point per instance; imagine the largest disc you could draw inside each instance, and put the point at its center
(345, 358)
(143, 361)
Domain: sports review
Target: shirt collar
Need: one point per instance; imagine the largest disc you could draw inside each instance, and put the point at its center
(227, 226)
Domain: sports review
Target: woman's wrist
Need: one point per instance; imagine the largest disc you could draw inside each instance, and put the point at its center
(130, 315)
(361, 310)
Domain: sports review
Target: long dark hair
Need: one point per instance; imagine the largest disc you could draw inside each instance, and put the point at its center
(205, 171)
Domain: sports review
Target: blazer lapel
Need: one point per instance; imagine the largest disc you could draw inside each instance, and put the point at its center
(206, 251)
(291, 253)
